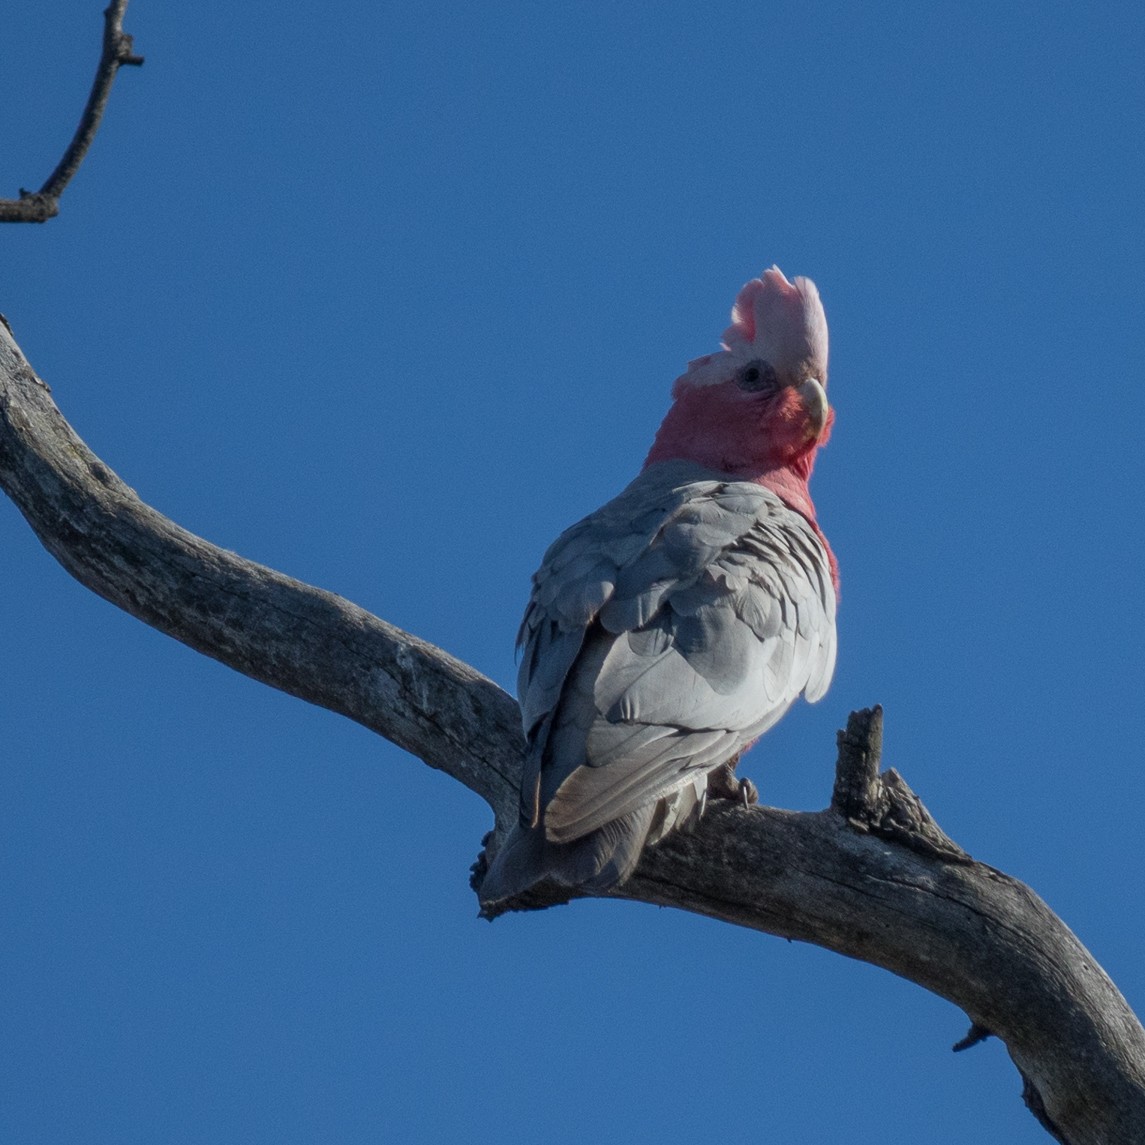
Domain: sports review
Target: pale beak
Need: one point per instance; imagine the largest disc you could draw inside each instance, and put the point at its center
(815, 403)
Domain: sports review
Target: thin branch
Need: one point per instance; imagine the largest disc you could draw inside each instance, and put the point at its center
(118, 50)
(871, 877)
(974, 1036)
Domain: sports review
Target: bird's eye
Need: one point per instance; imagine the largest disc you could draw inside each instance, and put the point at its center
(757, 375)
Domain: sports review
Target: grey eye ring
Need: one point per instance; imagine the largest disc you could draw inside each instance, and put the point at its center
(758, 376)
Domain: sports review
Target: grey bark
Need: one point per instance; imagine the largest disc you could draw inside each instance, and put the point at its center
(872, 876)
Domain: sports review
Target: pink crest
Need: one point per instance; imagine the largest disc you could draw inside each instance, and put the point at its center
(785, 317)
(780, 321)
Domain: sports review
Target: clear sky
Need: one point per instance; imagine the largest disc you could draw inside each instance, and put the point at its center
(386, 296)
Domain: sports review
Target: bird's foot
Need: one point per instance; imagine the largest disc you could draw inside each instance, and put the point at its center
(723, 784)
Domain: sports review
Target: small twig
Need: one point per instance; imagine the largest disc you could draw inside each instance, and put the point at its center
(974, 1035)
(39, 206)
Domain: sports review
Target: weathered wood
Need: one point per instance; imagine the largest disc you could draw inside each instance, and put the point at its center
(872, 877)
(303, 640)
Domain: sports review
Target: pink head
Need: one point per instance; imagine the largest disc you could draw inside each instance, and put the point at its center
(757, 410)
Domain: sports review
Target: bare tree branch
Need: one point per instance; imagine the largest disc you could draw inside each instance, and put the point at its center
(39, 206)
(872, 877)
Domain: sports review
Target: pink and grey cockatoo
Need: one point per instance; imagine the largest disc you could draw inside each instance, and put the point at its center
(676, 624)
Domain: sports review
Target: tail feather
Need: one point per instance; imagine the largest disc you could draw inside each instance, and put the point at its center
(597, 862)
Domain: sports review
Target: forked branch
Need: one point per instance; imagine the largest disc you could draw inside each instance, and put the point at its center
(39, 206)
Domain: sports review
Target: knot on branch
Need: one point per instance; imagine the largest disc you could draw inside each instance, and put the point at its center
(123, 51)
(882, 803)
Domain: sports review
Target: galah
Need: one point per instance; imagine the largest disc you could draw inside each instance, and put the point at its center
(672, 627)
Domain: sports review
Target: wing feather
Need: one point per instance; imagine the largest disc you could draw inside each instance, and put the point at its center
(665, 633)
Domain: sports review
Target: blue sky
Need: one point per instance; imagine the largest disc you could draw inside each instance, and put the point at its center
(386, 297)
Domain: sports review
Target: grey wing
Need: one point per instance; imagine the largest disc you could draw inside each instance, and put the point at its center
(655, 653)
(577, 578)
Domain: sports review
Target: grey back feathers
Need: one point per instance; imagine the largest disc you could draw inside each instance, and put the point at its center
(665, 633)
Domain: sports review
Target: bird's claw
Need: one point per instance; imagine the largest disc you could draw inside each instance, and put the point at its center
(723, 784)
